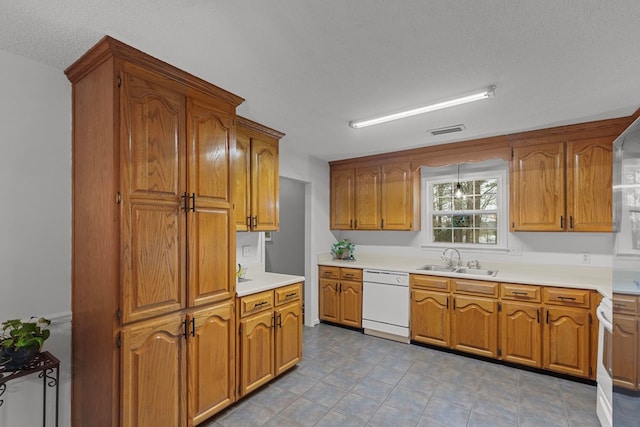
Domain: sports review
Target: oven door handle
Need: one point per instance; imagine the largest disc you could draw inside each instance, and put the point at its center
(602, 317)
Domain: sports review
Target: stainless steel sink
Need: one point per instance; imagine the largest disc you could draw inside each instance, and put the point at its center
(459, 270)
(476, 271)
(435, 267)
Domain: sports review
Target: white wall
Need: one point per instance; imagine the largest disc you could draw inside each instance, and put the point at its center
(35, 219)
(318, 239)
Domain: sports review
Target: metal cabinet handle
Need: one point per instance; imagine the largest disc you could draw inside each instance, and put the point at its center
(292, 294)
(561, 221)
(255, 221)
(193, 202)
(260, 304)
(520, 293)
(185, 203)
(193, 326)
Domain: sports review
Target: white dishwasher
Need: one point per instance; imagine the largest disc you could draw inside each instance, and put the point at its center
(385, 304)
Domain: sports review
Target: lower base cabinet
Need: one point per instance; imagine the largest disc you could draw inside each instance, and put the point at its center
(270, 331)
(521, 332)
(536, 326)
(624, 364)
(566, 341)
(178, 370)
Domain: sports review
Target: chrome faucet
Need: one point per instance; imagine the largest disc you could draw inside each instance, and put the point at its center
(450, 259)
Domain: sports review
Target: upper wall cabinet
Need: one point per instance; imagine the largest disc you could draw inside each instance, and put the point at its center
(561, 185)
(256, 177)
(380, 196)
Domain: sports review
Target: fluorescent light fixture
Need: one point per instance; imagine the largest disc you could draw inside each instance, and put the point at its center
(486, 93)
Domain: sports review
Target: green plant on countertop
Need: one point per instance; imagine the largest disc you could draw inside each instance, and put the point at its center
(17, 334)
(343, 249)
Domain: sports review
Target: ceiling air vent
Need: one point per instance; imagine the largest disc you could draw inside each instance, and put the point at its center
(448, 129)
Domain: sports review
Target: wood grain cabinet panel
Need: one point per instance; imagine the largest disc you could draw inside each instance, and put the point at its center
(589, 184)
(211, 361)
(340, 295)
(474, 326)
(257, 351)
(430, 317)
(271, 339)
(521, 333)
(538, 187)
(380, 196)
(562, 184)
(342, 205)
(367, 198)
(396, 198)
(566, 347)
(153, 241)
(624, 363)
(256, 169)
(154, 373)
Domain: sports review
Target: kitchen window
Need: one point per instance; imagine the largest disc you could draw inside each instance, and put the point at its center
(477, 219)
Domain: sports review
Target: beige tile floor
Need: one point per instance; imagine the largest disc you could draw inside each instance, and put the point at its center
(351, 379)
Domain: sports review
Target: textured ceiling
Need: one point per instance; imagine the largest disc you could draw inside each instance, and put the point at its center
(308, 67)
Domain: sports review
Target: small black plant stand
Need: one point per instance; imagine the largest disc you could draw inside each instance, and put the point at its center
(45, 364)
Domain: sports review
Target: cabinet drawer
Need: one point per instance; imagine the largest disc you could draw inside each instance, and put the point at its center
(354, 274)
(519, 292)
(429, 282)
(625, 304)
(329, 272)
(564, 296)
(256, 303)
(476, 287)
(288, 293)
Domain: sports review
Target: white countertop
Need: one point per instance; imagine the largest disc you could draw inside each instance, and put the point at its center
(262, 281)
(597, 278)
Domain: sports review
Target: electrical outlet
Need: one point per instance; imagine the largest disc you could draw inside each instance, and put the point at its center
(247, 251)
(516, 251)
(586, 257)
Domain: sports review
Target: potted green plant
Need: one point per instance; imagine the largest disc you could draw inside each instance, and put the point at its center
(343, 249)
(22, 340)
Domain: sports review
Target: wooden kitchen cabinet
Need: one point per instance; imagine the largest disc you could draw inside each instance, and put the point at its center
(567, 331)
(474, 325)
(153, 238)
(368, 195)
(342, 205)
(256, 177)
(564, 185)
(380, 196)
(270, 329)
(153, 373)
(521, 333)
(210, 360)
(520, 324)
(625, 342)
(340, 299)
(430, 312)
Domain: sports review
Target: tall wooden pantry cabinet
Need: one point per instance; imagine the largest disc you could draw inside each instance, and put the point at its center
(153, 242)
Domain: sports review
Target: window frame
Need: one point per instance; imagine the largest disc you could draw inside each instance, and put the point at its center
(449, 174)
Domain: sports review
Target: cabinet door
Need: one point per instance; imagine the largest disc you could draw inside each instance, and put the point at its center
(256, 351)
(288, 344)
(265, 195)
(396, 199)
(474, 326)
(342, 209)
(538, 188)
(329, 300)
(210, 227)
(589, 184)
(368, 193)
(211, 255)
(242, 181)
(430, 317)
(153, 373)
(566, 340)
(211, 361)
(625, 351)
(521, 332)
(351, 303)
(153, 184)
